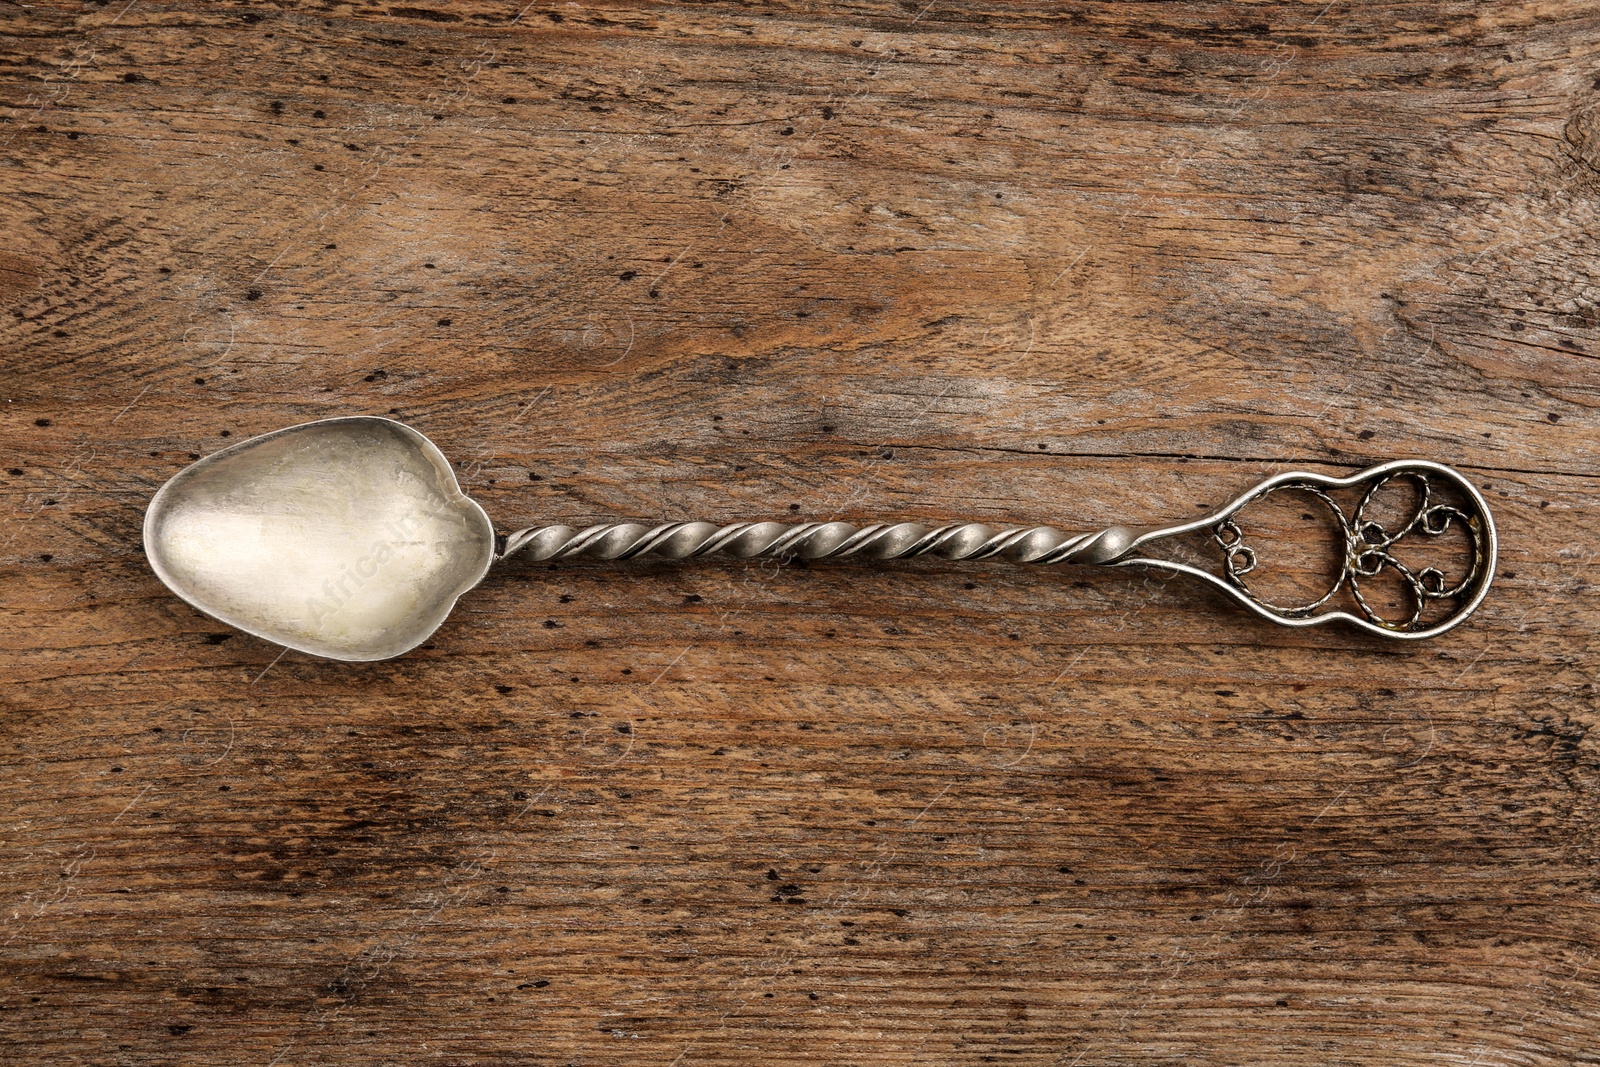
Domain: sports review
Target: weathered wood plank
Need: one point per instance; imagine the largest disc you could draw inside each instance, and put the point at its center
(1065, 263)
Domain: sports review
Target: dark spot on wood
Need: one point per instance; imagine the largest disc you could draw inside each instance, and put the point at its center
(41, 422)
(425, 13)
(446, 322)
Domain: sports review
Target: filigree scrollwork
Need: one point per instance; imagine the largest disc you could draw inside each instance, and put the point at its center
(1371, 549)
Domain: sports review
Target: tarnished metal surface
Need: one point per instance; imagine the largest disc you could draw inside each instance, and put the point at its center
(349, 538)
(346, 538)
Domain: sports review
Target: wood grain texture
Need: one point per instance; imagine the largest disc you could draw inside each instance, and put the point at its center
(1071, 263)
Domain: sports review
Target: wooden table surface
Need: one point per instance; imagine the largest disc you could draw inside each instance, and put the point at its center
(1069, 263)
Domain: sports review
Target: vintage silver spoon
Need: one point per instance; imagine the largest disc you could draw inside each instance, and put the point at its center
(349, 538)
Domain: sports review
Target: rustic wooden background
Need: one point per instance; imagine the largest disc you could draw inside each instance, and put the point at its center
(1071, 263)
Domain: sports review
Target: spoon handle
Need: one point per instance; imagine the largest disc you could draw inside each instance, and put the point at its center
(820, 540)
(1441, 502)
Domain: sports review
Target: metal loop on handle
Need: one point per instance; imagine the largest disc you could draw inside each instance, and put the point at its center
(1369, 550)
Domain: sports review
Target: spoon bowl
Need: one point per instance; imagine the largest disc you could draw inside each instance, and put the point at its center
(347, 538)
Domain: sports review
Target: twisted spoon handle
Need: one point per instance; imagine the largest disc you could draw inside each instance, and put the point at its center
(821, 540)
(1441, 502)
